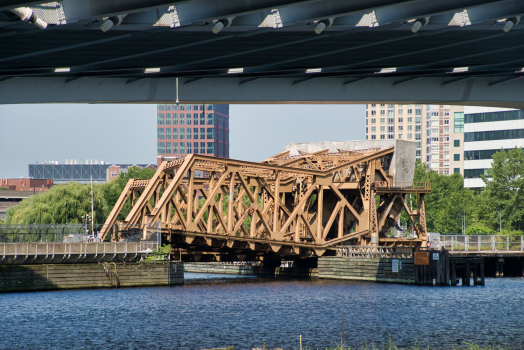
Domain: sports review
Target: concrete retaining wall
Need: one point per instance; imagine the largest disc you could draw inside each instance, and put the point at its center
(250, 270)
(15, 278)
(361, 269)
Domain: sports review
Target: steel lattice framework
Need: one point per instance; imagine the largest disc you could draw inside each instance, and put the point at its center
(304, 204)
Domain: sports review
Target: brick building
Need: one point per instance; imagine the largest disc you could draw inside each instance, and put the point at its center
(192, 128)
(29, 185)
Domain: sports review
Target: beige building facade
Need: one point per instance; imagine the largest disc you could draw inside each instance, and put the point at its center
(438, 131)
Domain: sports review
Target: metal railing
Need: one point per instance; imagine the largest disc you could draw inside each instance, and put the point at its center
(403, 185)
(81, 249)
(482, 243)
(374, 252)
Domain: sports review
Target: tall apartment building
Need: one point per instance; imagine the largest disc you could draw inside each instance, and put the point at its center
(486, 131)
(437, 130)
(192, 128)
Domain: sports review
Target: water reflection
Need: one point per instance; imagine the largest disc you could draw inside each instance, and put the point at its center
(225, 310)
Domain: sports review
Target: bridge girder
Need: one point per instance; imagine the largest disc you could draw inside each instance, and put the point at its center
(305, 204)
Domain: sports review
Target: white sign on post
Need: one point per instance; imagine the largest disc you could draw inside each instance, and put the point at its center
(394, 265)
(435, 256)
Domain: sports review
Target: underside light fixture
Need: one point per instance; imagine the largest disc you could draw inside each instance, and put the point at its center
(323, 25)
(460, 69)
(62, 70)
(221, 24)
(110, 22)
(419, 23)
(235, 71)
(387, 70)
(510, 22)
(27, 15)
(314, 70)
(152, 70)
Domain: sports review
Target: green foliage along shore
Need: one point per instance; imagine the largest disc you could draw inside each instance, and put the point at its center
(68, 203)
(445, 204)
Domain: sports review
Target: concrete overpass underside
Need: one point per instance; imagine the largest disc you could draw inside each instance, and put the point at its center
(466, 52)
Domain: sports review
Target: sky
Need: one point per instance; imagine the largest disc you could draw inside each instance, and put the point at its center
(125, 133)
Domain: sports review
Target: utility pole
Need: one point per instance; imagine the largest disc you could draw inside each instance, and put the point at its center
(500, 220)
(92, 210)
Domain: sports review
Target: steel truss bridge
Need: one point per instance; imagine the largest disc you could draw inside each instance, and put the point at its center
(267, 51)
(286, 205)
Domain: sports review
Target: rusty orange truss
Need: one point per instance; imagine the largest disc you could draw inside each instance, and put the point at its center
(306, 204)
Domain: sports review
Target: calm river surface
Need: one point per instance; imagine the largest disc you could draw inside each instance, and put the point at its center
(220, 310)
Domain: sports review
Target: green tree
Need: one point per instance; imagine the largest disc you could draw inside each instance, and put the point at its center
(60, 204)
(505, 189)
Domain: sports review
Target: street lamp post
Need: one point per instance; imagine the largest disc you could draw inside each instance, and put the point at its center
(500, 219)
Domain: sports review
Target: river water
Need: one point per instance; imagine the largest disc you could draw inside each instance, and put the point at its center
(221, 310)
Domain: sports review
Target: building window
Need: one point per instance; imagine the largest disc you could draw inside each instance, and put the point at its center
(410, 119)
(168, 147)
(168, 133)
(446, 130)
(195, 133)
(202, 119)
(417, 127)
(410, 127)
(493, 116)
(446, 138)
(446, 147)
(382, 120)
(175, 147)
(494, 135)
(434, 139)
(195, 147)
(182, 119)
(182, 136)
(160, 133)
(382, 112)
(161, 148)
(382, 129)
(175, 107)
(188, 119)
(391, 120)
(446, 164)
(391, 129)
(373, 128)
(210, 135)
(382, 105)
(373, 105)
(373, 112)
(410, 111)
(209, 107)
(210, 148)
(418, 120)
(418, 153)
(456, 143)
(400, 136)
(168, 118)
(160, 119)
(373, 120)
(182, 108)
(175, 133)
(446, 172)
(188, 108)
(456, 170)
(456, 157)
(202, 147)
(459, 122)
(182, 146)
(418, 136)
(400, 128)
(366, 129)
(400, 112)
(401, 120)
(391, 113)
(188, 134)
(373, 137)
(446, 156)
(195, 118)
(188, 147)
(410, 136)
(175, 119)
(168, 107)
(434, 131)
(391, 106)
(210, 119)
(382, 137)
(446, 122)
(160, 107)
(202, 133)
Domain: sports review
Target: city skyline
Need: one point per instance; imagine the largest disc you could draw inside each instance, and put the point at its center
(117, 133)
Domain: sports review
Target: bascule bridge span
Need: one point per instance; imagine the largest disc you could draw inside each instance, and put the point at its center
(300, 203)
